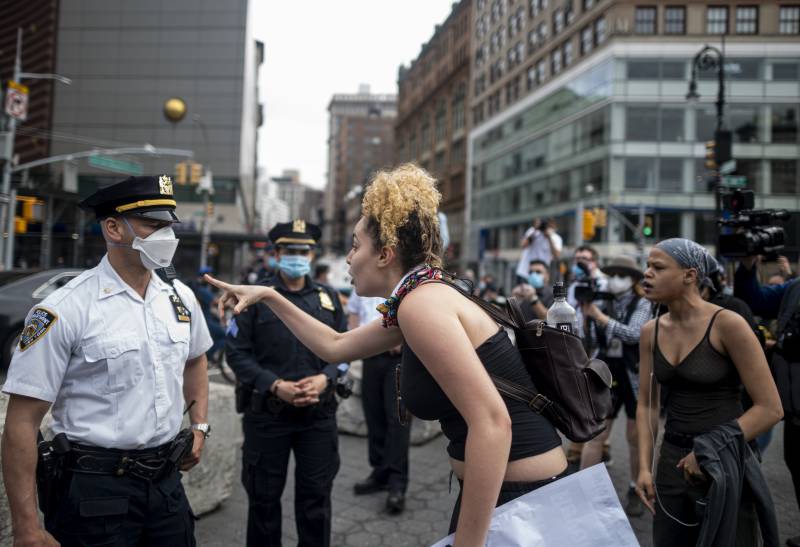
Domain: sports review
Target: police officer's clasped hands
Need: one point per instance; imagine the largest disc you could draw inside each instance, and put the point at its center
(305, 392)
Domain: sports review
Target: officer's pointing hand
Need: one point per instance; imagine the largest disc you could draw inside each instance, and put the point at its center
(238, 297)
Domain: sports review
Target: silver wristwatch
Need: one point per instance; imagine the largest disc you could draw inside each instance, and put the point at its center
(205, 429)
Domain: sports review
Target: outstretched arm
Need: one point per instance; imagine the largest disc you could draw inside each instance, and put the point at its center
(328, 344)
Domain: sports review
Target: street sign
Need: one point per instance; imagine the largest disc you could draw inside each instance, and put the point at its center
(728, 167)
(734, 181)
(116, 165)
(17, 100)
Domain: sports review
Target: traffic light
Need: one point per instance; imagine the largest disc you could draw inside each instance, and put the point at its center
(647, 227)
(196, 173)
(210, 209)
(723, 149)
(181, 173)
(711, 154)
(588, 225)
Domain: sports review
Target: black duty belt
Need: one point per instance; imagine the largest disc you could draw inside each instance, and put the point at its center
(144, 464)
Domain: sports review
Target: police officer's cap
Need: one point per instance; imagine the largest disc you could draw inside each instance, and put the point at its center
(148, 197)
(298, 234)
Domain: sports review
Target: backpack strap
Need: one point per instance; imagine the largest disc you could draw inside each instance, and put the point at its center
(535, 401)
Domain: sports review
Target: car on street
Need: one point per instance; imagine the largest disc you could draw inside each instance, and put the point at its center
(17, 297)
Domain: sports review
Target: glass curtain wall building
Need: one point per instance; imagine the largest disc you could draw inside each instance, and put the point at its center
(617, 131)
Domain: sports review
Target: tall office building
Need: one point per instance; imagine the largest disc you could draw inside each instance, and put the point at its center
(582, 104)
(360, 142)
(432, 122)
(125, 60)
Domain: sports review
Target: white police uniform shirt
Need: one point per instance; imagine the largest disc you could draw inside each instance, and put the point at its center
(364, 307)
(110, 361)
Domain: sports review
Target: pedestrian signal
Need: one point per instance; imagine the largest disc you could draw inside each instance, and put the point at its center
(588, 226)
(647, 227)
(181, 172)
(723, 150)
(711, 161)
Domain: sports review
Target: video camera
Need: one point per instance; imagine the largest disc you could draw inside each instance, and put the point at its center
(753, 230)
(586, 289)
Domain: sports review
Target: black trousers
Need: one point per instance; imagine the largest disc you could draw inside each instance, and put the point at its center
(679, 498)
(268, 440)
(110, 511)
(387, 440)
(791, 451)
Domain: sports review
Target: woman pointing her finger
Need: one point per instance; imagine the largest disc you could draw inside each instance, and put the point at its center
(498, 448)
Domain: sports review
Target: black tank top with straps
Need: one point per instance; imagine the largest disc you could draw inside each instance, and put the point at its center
(704, 389)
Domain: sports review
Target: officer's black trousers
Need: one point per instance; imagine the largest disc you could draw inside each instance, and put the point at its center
(110, 511)
(387, 440)
(267, 442)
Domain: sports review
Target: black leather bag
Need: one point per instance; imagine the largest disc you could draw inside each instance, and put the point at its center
(573, 391)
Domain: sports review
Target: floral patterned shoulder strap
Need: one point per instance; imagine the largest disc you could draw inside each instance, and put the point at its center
(389, 308)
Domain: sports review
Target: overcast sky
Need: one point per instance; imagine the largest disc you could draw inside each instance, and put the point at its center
(315, 49)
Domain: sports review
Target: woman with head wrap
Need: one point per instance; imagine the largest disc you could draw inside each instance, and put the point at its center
(703, 354)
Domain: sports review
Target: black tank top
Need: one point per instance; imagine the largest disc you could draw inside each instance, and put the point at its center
(531, 433)
(704, 389)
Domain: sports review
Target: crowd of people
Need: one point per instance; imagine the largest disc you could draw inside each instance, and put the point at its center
(119, 352)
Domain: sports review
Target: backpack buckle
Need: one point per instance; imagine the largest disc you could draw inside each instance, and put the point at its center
(539, 403)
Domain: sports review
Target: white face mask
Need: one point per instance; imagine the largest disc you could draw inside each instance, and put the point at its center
(618, 285)
(157, 249)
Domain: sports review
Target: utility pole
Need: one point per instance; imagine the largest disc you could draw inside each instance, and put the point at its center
(11, 196)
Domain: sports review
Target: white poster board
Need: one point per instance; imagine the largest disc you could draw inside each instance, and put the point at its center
(580, 510)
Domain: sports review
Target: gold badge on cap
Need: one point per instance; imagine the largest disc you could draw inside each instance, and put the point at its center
(325, 301)
(165, 185)
(299, 226)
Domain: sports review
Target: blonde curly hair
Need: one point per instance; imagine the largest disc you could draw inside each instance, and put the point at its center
(401, 207)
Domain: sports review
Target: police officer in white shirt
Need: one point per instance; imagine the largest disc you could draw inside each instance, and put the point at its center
(118, 353)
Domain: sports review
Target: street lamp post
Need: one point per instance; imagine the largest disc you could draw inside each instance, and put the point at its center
(9, 193)
(712, 58)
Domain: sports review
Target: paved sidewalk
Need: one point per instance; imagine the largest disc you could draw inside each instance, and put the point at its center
(361, 521)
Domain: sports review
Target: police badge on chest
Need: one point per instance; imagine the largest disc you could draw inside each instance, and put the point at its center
(181, 312)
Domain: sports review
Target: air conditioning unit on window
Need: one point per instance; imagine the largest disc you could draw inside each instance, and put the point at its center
(621, 26)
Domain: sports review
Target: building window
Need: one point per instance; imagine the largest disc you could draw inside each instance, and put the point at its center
(533, 9)
(600, 31)
(558, 21)
(530, 78)
(541, 30)
(555, 61)
(746, 19)
(670, 175)
(588, 4)
(541, 68)
(717, 20)
(587, 40)
(675, 20)
(640, 173)
(784, 177)
(645, 20)
(784, 123)
(649, 123)
(785, 72)
(477, 114)
(441, 122)
(567, 53)
(569, 13)
(789, 20)
(533, 41)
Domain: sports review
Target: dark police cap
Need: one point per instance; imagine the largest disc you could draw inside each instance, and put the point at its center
(148, 197)
(295, 235)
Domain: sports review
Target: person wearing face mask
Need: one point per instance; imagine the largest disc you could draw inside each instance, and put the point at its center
(614, 331)
(286, 397)
(117, 353)
(536, 295)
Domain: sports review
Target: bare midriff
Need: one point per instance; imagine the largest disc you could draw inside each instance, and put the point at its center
(530, 469)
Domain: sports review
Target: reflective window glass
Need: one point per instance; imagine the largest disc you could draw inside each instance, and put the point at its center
(640, 173)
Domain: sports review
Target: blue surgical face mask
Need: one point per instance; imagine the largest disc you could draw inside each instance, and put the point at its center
(295, 266)
(536, 280)
(272, 262)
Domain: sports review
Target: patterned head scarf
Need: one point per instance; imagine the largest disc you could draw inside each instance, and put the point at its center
(689, 254)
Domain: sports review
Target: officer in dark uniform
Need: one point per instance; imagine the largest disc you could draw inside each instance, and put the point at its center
(119, 353)
(287, 396)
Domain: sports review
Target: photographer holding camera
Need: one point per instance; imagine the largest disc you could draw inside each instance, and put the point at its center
(615, 331)
(781, 302)
(588, 283)
(540, 242)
